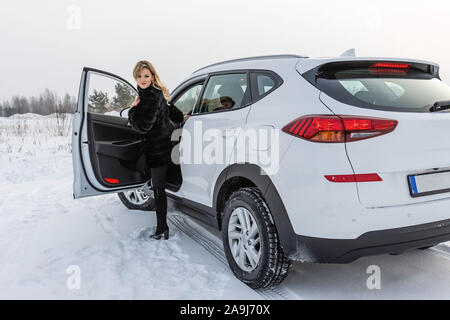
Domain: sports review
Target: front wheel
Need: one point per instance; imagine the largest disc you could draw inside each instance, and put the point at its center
(251, 241)
(137, 199)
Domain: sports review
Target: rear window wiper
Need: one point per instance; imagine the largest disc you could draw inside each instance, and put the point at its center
(440, 105)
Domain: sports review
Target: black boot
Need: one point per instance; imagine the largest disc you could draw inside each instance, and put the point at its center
(158, 236)
(162, 228)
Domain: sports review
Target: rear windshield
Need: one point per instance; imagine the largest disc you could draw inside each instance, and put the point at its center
(390, 87)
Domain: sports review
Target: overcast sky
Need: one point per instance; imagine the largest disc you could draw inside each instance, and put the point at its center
(44, 45)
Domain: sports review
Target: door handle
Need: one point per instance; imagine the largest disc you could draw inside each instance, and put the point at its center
(128, 142)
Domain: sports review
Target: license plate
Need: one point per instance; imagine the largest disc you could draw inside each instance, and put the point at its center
(429, 183)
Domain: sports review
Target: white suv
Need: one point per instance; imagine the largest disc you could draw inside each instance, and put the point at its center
(358, 149)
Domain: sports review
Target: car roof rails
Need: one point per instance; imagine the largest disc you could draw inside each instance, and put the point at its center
(276, 56)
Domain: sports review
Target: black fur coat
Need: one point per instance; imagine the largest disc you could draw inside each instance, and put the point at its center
(151, 117)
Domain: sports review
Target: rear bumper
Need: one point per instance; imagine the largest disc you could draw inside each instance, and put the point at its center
(322, 250)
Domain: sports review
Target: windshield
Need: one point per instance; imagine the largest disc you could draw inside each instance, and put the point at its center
(385, 89)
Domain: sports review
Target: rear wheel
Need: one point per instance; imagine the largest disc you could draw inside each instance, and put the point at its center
(137, 199)
(251, 241)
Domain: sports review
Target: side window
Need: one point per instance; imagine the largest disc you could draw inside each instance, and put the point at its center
(107, 95)
(263, 83)
(226, 91)
(188, 99)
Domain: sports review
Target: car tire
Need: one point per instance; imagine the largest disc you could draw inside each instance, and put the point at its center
(137, 200)
(247, 205)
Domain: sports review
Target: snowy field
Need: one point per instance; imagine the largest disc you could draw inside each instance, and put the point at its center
(44, 231)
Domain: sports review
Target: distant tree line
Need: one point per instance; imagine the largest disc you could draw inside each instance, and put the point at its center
(46, 103)
(99, 102)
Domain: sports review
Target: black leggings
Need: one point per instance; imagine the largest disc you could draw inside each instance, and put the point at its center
(159, 178)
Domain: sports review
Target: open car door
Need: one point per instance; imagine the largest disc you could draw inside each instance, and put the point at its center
(105, 149)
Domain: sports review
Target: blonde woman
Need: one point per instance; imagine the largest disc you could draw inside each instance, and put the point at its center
(150, 115)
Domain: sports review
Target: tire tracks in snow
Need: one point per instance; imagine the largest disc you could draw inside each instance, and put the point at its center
(179, 221)
(276, 292)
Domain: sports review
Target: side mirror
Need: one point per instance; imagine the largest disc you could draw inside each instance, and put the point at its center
(124, 112)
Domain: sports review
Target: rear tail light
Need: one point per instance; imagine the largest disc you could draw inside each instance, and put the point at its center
(338, 128)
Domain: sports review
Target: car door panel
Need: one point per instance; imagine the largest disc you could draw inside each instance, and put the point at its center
(199, 176)
(105, 149)
(114, 139)
(115, 150)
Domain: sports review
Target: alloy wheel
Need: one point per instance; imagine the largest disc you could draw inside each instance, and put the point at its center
(244, 239)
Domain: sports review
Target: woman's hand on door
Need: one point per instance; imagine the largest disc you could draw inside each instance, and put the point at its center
(135, 102)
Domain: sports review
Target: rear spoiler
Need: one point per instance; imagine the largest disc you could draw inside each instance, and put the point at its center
(309, 67)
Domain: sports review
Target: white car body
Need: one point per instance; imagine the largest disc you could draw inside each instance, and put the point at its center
(317, 220)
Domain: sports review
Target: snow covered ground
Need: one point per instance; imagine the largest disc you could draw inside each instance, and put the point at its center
(44, 231)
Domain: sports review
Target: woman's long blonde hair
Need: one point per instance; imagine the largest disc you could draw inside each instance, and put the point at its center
(156, 82)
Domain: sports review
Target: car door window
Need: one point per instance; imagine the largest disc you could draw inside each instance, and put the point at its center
(187, 100)
(223, 92)
(108, 95)
(263, 83)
